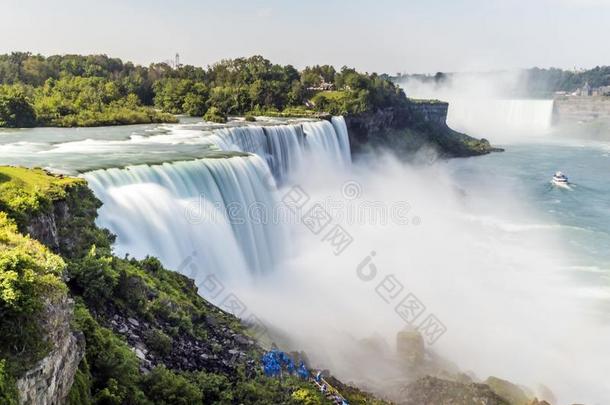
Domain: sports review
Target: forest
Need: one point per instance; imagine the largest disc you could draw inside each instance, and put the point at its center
(95, 90)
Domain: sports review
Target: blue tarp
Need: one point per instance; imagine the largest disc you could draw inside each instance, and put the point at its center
(275, 361)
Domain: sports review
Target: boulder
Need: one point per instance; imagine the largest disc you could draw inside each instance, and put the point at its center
(411, 349)
(509, 391)
(435, 391)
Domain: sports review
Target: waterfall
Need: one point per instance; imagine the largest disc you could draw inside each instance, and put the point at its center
(284, 146)
(220, 214)
(343, 137)
(244, 139)
(493, 116)
(321, 145)
(201, 208)
(281, 145)
(286, 150)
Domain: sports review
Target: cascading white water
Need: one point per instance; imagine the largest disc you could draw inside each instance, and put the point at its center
(323, 147)
(284, 146)
(201, 206)
(217, 211)
(285, 150)
(484, 106)
(245, 139)
(480, 116)
(280, 146)
(343, 137)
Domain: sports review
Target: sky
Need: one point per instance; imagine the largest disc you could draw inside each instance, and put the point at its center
(385, 36)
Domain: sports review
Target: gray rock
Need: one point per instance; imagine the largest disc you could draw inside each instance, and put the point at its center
(50, 380)
(140, 354)
(242, 340)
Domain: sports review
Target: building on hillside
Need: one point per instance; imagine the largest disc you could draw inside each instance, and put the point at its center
(603, 91)
(323, 86)
(587, 91)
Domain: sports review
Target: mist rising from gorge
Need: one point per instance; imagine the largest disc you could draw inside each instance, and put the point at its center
(490, 105)
(480, 260)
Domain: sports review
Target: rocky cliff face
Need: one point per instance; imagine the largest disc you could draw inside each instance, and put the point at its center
(572, 110)
(407, 129)
(223, 350)
(60, 228)
(43, 227)
(68, 226)
(434, 111)
(50, 380)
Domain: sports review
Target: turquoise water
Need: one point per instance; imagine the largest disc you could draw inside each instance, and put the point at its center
(581, 213)
(77, 150)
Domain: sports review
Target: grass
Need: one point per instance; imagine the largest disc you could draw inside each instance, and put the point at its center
(32, 180)
(335, 95)
(288, 112)
(25, 192)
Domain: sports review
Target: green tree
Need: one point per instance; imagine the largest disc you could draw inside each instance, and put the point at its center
(213, 114)
(15, 107)
(196, 100)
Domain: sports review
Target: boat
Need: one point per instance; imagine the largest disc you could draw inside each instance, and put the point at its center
(560, 179)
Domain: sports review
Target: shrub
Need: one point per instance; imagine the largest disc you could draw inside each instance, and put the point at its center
(214, 114)
(114, 367)
(158, 342)
(8, 390)
(80, 393)
(306, 397)
(30, 275)
(94, 277)
(168, 388)
(215, 388)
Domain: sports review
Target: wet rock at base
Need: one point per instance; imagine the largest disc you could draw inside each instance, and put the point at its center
(435, 391)
(411, 349)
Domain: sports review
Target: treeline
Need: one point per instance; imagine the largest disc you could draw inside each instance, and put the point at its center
(75, 90)
(541, 81)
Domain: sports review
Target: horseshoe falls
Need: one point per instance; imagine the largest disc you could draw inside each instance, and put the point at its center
(216, 214)
(511, 117)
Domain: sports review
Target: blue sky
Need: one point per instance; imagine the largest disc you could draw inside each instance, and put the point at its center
(383, 35)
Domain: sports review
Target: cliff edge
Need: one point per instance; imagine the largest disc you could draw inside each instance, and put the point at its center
(406, 129)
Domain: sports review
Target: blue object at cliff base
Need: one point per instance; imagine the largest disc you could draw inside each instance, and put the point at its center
(275, 362)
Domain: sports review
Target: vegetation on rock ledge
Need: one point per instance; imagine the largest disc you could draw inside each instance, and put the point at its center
(30, 278)
(149, 337)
